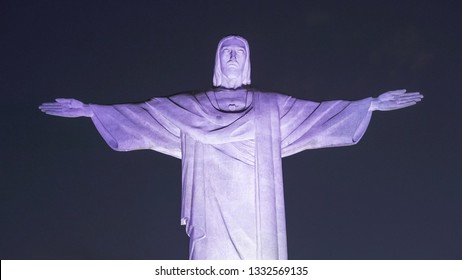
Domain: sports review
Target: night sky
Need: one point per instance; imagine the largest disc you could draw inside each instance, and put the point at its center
(65, 194)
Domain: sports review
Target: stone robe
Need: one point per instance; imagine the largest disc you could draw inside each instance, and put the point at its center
(232, 193)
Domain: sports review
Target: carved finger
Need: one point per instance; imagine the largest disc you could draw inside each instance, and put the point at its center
(412, 94)
(53, 108)
(407, 99)
(60, 114)
(404, 96)
(66, 114)
(63, 100)
(397, 92)
(48, 109)
(411, 97)
(50, 106)
(53, 111)
(404, 105)
(391, 108)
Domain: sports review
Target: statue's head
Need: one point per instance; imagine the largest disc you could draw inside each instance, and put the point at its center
(232, 62)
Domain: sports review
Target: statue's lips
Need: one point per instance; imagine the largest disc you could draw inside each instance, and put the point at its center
(232, 64)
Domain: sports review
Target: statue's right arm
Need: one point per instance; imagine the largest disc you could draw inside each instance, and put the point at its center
(69, 108)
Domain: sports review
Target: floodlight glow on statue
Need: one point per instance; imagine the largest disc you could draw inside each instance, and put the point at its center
(231, 140)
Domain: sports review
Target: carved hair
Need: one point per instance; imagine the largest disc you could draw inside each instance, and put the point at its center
(217, 76)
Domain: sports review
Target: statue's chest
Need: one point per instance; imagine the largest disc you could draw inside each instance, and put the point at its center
(232, 100)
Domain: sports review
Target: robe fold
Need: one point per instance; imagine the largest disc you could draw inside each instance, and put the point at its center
(232, 187)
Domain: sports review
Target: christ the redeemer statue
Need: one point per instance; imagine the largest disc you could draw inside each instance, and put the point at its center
(231, 140)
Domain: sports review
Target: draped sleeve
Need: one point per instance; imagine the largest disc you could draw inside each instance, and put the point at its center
(128, 127)
(311, 125)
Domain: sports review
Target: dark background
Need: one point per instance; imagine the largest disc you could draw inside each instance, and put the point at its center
(66, 195)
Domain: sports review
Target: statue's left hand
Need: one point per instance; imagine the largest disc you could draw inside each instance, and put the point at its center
(396, 99)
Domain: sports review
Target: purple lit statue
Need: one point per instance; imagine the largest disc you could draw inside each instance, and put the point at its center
(230, 140)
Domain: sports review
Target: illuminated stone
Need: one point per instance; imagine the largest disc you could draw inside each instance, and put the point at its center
(230, 140)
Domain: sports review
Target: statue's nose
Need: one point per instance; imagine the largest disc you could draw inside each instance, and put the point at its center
(233, 54)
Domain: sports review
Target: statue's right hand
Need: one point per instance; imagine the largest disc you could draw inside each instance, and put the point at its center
(67, 107)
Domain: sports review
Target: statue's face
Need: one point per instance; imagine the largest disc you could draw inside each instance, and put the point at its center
(232, 58)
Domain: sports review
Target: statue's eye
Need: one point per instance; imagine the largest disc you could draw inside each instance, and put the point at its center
(225, 50)
(240, 51)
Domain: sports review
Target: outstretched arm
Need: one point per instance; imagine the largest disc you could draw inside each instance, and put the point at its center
(396, 99)
(125, 127)
(69, 108)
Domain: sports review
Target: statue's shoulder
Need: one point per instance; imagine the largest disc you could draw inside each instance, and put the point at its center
(191, 93)
(184, 98)
(183, 95)
(186, 94)
(274, 96)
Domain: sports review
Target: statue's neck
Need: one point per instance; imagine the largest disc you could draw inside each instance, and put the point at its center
(230, 100)
(231, 83)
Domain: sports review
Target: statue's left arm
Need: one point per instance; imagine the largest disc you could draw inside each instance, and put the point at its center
(311, 125)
